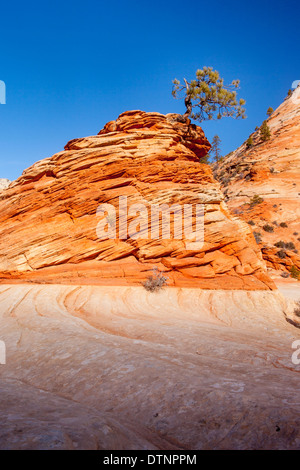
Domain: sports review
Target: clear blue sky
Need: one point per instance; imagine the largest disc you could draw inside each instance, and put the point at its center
(71, 66)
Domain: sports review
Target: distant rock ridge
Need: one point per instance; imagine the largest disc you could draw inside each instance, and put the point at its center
(48, 222)
(269, 172)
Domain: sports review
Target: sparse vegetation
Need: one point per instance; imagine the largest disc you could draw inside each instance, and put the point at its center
(205, 159)
(251, 222)
(281, 254)
(256, 200)
(297, 309)
(268, 228)
(270, 111)
(257, 236)
(265, 132)
(225, 181)
(249, 142)
(156, 281)
(285, 275)
(295, 273)
(287, 246)
(283, 225)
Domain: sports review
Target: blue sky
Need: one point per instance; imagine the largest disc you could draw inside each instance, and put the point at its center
(71, 66)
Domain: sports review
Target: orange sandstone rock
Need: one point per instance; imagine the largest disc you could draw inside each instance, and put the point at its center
(48, 221)
(270, 170)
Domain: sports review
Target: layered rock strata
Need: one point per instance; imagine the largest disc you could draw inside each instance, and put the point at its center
(49, 224)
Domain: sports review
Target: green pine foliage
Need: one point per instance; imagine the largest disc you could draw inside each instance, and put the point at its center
(265, 132)
(249, 142)
(206, 97)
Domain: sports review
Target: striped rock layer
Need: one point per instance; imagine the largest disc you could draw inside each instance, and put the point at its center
(49, 220)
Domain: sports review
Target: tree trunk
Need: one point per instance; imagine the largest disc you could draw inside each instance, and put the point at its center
(188, 105)
(187, 101)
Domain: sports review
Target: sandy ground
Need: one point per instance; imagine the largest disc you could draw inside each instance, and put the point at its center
(92, 367)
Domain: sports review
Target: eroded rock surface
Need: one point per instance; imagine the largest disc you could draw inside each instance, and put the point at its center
(94, 367)
(262, 185)
(48, 216)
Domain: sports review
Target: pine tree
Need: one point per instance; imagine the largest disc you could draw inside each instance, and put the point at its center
(249, 142)
(265, 132)
(215, 149)
(270, 111)
(209, 96)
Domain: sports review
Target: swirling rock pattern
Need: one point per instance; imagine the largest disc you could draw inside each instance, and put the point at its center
(48, 216)
(116, 367)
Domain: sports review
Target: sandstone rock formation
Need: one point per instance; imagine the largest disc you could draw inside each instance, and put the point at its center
(106, 367)
(48, 216)
(262, 185)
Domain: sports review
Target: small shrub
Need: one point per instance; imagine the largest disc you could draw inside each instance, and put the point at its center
(251, 222)
(249, 142)
(155, 282)
(270, 111)
(237, 211)
(284, 274)
(287, 246)
(268, 228)
(225, 181)
(290, 246)
(283, 225)
(295, 233)
(297, 309)
(295, 273)
(256, 200)
(281, 254)
(257, 236)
